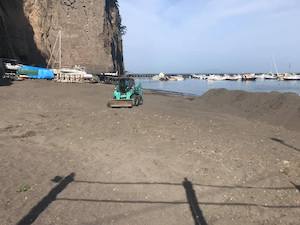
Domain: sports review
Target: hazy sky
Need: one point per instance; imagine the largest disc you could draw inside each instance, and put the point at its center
(211, 35)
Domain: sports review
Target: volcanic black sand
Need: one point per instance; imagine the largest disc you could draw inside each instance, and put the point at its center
(228, 157)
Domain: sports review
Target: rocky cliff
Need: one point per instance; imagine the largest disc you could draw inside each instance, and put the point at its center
(91, 33)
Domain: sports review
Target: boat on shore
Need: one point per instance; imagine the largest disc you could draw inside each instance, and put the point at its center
(77, 74)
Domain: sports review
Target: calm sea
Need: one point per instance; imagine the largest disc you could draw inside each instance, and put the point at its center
(199, 87)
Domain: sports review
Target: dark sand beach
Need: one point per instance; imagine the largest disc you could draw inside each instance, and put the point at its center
(227, 157)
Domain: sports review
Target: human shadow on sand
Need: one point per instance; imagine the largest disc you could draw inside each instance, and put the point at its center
(285, 144)
(180, 184)
(296, 186)
(193, 203)
(42, 205)
(191, 198)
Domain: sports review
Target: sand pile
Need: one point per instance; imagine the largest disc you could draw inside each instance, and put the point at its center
(282, 109)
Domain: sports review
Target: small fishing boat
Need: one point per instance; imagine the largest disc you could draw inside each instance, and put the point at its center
(269, 76)
(195, 76)
(172, 78)
(248, 77)
(178, 78)
(200, 76)
(161, 77)
(11, 66)
(230, 77)
(215, 78)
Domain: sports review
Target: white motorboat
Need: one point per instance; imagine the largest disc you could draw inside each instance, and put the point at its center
(215, 77)
(179, 78)
(172, 78)
(160, 76)
(12, 67)
(75, 75)
(230, 77)
(289, 76)
(195, 76)
(248, 77)
(200, 76)
(269, 76)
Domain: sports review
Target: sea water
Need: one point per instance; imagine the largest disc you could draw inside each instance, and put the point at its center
(199, 87)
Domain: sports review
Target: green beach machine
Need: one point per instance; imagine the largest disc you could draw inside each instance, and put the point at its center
(126, 94)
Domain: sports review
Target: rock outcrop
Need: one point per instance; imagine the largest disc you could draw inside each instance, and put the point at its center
(91, 33)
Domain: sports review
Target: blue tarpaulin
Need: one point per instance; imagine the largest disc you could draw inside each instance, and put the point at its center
(36, 72)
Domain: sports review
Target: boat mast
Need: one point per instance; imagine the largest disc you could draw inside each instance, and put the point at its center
(275, 65)
(59, 49)
(59, 39)
(271, 68)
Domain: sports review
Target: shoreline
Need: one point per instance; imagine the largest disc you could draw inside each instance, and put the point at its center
(175, 93)
(199, 87)
(169, 93)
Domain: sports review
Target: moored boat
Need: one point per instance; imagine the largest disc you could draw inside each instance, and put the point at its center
(269, 76)
(248, 77)
(161, 77)
(289, 76)
(230, 77)
(215, 77)
(200, 76)
(178, 78)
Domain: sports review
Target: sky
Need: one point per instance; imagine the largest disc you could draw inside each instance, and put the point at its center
(193, 36)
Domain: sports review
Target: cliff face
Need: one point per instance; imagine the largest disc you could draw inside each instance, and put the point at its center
(91, 34)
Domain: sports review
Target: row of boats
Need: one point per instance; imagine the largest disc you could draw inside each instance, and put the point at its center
(248, 77)
(230, 77)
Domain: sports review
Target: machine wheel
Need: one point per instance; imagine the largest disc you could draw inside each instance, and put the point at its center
(136, 100)
(141, 100)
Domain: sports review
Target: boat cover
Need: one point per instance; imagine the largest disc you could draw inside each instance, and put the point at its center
(36, 72)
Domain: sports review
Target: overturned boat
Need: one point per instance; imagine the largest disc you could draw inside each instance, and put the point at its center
(32, 72)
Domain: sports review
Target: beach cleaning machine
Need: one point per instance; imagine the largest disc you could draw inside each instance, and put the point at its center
(126, 94)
